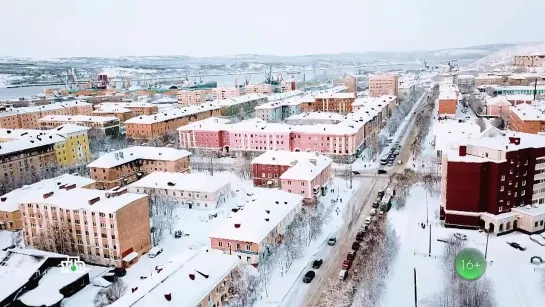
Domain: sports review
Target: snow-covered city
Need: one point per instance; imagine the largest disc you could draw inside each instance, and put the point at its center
(365, 179)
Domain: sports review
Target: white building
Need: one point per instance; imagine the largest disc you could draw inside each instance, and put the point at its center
(193, 191)
(449, 134)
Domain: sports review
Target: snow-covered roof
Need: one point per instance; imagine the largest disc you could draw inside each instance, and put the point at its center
(111, 109)
(130, 257)
(82, 199)
(164, 100)
(15, 146)
(466, 77)
(175, 279)
(191, 182)
(133, 153)
(273, 205)
(16, 270)
(488, 77)
(307, 169)
(78, 119)
(135, 104)
(68, 129)
(317, 116)
(528, 112)
(47, 293)
(448, 91)
(238, 100)
(449, 134)
(284, 95)
(45, 107)
(336, 96)
(498, 100)
(173, 114)
(9, 202)
(375, 101)
(530, 210)
(520, 97)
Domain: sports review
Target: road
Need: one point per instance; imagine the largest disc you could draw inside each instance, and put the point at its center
(363, 203)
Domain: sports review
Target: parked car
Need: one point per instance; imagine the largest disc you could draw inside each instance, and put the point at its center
(331, 241)
(390, 163)
(356, 173)
(342, 274)
(373, 212)
(355, 246)
(309, 276)
(119, 272)
(351, 255)
(347, 263)
(359, 237)
(380, 194)
(317, 263)
(375, 204)
(368, 220)
(381, 171)
(154, 252)
(178, 234)
(517, 246)
(380, 213)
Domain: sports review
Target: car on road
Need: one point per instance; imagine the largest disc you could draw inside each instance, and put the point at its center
(331, 241)
(309, 276)
(347, 263)
(373, 212)
(380, 213)
(355, 246)
(375, 204)
(356, 173)
(381, 171)
(396, 152)
(368, 220)
(343, 274)
(178, 234)
(390, 163)
(154, 252)
(359, 237)
(380, 194)
(316, 264)
(351, 255)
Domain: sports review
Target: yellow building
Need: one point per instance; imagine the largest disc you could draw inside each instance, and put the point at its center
(71, 142)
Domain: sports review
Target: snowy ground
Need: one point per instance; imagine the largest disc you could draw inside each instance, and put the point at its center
(288, 289)
(516, 282)
(5, 239)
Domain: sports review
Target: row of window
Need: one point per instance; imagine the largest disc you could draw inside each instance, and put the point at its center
(238, 245)
(37, 206)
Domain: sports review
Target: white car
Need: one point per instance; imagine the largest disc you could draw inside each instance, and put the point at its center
(373, 212)
(343, 274)
(368, 220)
(154, 252)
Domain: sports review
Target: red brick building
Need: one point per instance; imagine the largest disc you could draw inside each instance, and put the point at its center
(495, 181)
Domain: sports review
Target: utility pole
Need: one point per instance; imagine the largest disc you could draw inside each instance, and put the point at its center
(429, 251)
(415, 290)
(535, 89)
(486, 248)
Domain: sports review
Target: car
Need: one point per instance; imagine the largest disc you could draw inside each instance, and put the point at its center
(316, 264)
(178, 234)
(309, 276)
(331, 241)
(517, 246)
(381, 171)
(380, 213)
(342, 274)
(119, 272)
(375, 204)
(368, 220)
(355, 246)
(390, 163)
(359, 237)
(154, 252)
(356, 173)
(373, 212)
(396, 152)
(380, 194)
(351, 255)
(347, 263)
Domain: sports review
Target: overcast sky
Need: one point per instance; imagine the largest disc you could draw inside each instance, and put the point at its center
(61, 28)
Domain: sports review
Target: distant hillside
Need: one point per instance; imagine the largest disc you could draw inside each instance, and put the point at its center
(504, 57)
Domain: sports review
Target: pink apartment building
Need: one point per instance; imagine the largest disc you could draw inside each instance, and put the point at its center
(221, 93)
(387, 84)
(498, 106)
(302, 173)
(265, 89)
(251, 233)
(191, 97)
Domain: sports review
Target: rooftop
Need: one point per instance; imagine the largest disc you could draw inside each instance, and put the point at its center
(18, 145)
(68, 129)
(498, 100)
(448, 91)
(194, 182)
(135, 104)
(520, 97)
(334, 117)
(307, 169)
(336, 96)
(528, 112)
(451, 133)
(111, 109)
(175, 279)
(9, 202)
(173, 114)
(16, 270)
(129, 154)
(238, 100)
(77, 118)
(273, 205)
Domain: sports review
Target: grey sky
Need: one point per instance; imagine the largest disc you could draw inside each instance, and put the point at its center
(59, 28)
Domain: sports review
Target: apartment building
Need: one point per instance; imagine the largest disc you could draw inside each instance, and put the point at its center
(192, 191)
(208, 274)
(537, 60)
(350, 83)
(498, 106)
(122, 114)
(137, 107)
(303, 173)
(495, 181)
(278, 110)
(451, 133)
(28, 117)
(251, 232)
(387, 84)
(489, 80)
(330, 102)
(152, 126)
(220, 93)
(101, 226)
(105, 125)
(265, 89)
(191, 97)
(119, 168)
(527, 118)
(448, 100)
(242, 105)
(10, 216)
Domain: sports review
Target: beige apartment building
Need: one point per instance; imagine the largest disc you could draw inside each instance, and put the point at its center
(221, 93)
(107, 125)
(123, 114)
(127, 165)
(191, 97)
(28, 117)
(387, 84)
(101, 226)
(263, 88)
(537, 60)
(153, 126)
(489, 80)
(10, 216)
(137, 107)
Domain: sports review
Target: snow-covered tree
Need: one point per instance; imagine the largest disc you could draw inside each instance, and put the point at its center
(106, 296)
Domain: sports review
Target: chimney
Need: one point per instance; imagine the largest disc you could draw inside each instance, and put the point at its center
(192, 276)
(268, 211)
(313, 161)
(462, 151)
(266, 219)
(94, 200)
(514, 140)
(116, 155)
(46, 195)
(237, 225)
(3, 199)
(70, 187)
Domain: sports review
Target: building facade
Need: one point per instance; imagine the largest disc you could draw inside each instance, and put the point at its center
(191, 97)
(335, 102)
(529, 60)
(104, 125)
(137, 107)
(122, 114)
(383, 85)
(448, 100)
(265, 89)
(498, 106)
(527, 118)
(220, 93)
(28, 117)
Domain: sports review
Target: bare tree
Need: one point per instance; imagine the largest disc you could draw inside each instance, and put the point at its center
(17, 238)
(244, 286)
(480, 122)
(56, 237)
(158, 229)
(107, 296)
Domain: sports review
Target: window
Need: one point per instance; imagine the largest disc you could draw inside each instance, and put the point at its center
(501, 189)
(263, 175)
(522, 193)
(303, 184)
(302, 192)
(220, 244)
(509, 192)
(248, 246)
(500, 209)
(238, 245)
(502, 177)
(289, 182)
(523, 182)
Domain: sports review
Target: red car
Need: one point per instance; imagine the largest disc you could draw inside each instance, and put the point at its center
(347, 263)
